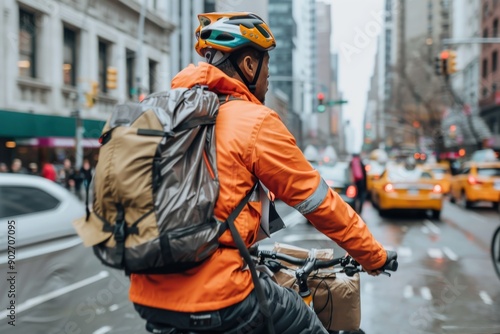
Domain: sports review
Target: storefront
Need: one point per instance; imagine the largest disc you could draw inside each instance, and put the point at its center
(35, 138)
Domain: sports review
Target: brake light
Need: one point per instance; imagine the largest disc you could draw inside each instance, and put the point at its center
(472, 180)
(351, 191)
(330, 183)
(388, 188)
(437, 188)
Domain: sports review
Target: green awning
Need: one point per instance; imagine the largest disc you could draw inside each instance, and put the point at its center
(25, 125)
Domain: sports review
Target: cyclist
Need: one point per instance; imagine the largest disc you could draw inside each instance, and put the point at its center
(252, 144)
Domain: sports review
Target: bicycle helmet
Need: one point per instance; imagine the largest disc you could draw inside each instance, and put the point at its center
(228, 32)
(221, 34)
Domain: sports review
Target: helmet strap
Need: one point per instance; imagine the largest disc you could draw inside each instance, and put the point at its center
(251, 85)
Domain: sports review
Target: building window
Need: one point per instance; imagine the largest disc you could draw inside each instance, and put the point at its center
(495, 28)
(27, 44)
(485, 68)
(69, 57)
(485, 33)
(103, 65)
(494, 58)
(485, 91)
(131, 91)
(152, 76)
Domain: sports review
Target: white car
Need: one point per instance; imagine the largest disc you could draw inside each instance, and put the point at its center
(36, 210)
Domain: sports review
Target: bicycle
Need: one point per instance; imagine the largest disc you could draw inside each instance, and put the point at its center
(495, 250)
(348, 265)
(267, 259)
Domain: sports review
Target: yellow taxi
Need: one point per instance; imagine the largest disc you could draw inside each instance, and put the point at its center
(374, 167)
(477, 182)
(401, 188)
(373, 171)
(441, 172)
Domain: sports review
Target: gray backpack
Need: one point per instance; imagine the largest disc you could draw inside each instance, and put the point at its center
(156, 185)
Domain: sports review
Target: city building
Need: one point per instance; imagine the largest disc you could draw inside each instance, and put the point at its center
(415, 98)
(183, 15)
(324, 72)
(489, 88)
(74, 58)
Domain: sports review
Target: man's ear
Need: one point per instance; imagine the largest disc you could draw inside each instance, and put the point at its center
(248, 67)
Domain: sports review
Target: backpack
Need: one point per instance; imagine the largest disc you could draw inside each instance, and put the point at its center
(156, 185)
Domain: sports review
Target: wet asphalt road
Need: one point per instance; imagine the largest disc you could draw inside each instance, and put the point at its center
(445, 282)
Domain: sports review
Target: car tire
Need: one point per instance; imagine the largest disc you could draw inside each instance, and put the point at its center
(382, 213)
(452, 199)
(496, 205)
(464, 202)
(436, 214)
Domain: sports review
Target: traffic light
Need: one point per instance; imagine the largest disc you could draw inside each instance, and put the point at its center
(444, 61)
(438, 67)
(91, 97)
(111, 77)
(321, 103)
(452, 62)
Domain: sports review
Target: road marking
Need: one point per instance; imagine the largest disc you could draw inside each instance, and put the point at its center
(408, 291)
(305, 237)
(100, 310)
(103, 330)
(450, 254)
(435, 253)
(431, 226)
(485, 297)
(113, 307)
(293, 218)
(404, 251)
(32, 302)
(425, 292)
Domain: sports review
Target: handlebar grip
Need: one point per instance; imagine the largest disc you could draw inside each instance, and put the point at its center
(392, 261)
(392, 266)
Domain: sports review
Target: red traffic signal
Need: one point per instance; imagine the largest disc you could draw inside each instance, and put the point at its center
(321, 96)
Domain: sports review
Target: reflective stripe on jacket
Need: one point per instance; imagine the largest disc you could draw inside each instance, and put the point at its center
(252, 144)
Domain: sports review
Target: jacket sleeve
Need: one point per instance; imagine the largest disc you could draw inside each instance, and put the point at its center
(281, 166)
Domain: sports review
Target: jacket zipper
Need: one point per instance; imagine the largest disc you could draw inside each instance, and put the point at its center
(210, 170)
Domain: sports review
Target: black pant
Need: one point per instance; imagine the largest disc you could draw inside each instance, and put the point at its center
(361, 196)
(289, 314)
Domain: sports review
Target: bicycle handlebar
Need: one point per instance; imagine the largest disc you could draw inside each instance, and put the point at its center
(350, 266)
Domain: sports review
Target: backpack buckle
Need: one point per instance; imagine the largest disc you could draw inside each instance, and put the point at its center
(119, 231)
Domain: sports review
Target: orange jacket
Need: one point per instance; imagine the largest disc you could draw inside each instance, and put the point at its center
(252, 144)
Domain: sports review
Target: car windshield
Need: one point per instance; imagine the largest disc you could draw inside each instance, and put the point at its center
(488, 171)
(335, 173)
(401, 174)
(439, 170)
(484, 155)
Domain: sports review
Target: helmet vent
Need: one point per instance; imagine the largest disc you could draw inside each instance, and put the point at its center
(224, 37)
(205, 34)
(262, 31)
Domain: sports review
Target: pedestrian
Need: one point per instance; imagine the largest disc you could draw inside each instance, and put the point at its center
(253, 145)
(86, 175)
(3, 167)
(33, 168)
(49, 171)
(17, 167)
(67, 174)
(359, 176)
